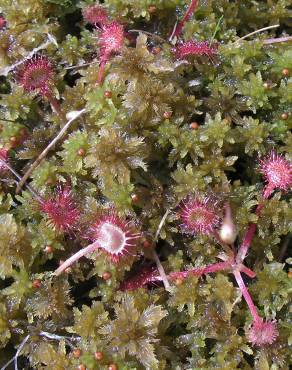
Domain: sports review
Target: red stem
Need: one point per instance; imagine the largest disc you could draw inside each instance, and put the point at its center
(55, 104)
(247, 271)
(247, 297)
(248, 237)
(179, 27)
(101, 72)
(220, 266)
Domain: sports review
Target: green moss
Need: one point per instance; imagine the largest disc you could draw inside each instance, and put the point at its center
(154, 131)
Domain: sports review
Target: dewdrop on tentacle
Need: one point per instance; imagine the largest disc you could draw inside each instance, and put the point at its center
(111, 40)
(61, 210)
(36, 75)
(277, 172)
(194, 48)
(262, 333)
(115, 235)
(199, 215)
(95, 14)
(110, 233)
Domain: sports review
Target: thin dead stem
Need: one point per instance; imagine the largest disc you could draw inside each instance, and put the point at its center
(47, 149)
(276, 40)
(16, 174)
(257, 31)
(15, 357)
(155, 255)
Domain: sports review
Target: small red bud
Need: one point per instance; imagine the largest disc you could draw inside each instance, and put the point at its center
(135, 198)
(147, 244)
(285, 72)
(284, 116)
(13, 140)
(266, 85)
(194, 126)
(167, 115)
(50, 181)
(98, 356)
(36, 284)
(107, 94)
(49, 249)
(23, 131)
(76, 352)
(81, 152)
(156, 50)
(152, 9)
(81, 367)
(112, 367)
(106, 275)
(178, 282)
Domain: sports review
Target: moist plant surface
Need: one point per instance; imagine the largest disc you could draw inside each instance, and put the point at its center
(145, 184)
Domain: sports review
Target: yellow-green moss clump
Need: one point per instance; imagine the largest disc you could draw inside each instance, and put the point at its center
(179, 122)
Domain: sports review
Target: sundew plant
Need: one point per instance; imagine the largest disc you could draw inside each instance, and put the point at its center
(145, 184)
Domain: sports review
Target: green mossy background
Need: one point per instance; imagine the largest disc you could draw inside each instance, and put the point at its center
(238, 102)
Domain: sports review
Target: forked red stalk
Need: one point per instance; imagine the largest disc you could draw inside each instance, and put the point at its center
(180, 25)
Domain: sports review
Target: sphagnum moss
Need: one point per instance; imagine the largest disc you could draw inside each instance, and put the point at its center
(179, 154)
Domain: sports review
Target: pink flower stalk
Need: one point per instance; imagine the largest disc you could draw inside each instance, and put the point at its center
(36, 75)
(2, 22)
(179, 27)
(194, 48)
(261, 332)
(62, 211)
(199, 216)
(95, 14)
(277, 172)
(112, 234)
(111, 40)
